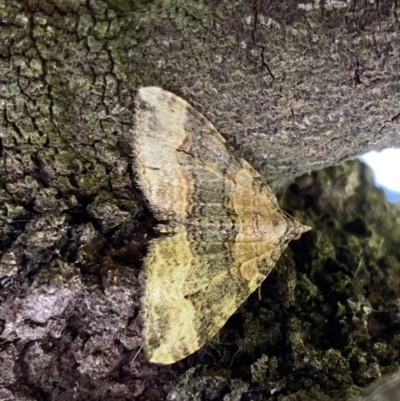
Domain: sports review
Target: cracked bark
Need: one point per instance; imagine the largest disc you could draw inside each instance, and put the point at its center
(292, 87)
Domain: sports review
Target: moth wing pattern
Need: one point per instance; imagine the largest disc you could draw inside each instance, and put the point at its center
(224, 228)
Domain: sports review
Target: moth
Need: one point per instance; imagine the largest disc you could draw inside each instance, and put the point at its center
(222, 229)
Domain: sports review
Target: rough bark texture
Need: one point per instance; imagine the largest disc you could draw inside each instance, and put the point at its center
(293, 87)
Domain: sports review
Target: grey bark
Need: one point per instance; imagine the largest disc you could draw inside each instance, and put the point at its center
(292, 86)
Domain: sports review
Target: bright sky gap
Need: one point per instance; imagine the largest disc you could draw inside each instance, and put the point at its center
(386, 168)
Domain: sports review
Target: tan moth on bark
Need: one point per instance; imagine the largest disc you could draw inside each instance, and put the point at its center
(224, 230)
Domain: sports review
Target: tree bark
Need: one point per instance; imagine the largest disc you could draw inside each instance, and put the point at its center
(293, 87)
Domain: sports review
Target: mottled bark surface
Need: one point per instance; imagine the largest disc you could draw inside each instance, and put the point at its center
(293, 87)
